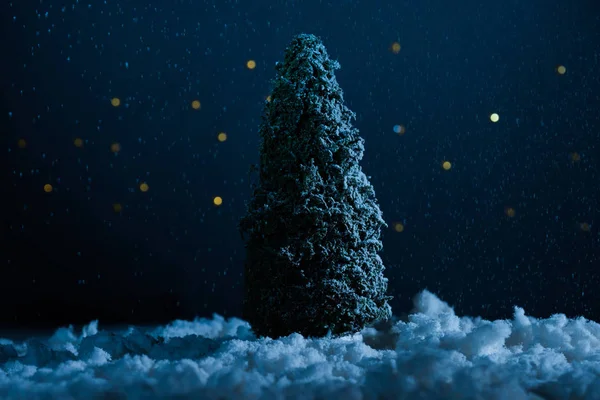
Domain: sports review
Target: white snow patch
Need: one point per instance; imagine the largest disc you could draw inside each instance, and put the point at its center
(434, 354)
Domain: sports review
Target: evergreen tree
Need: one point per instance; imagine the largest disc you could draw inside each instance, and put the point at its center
(313, 224)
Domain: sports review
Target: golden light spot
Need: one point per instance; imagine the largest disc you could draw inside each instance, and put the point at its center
(144, 187)
(115, 101)
(510, 212)
(269, 98)
(21, 143)
(494, 117)
(117, 207)
(574, 156)
(217, 201)
(561, 69)
(196, 105)
(115, 147)
(585, 227)
(399, 129)
(396, 47)
(446, 165)
(221, 137)
(78, 142)
(399, 227)
(251, 64)
(47, 188)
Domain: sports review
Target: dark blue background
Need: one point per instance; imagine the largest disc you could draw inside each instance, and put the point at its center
(68, 257)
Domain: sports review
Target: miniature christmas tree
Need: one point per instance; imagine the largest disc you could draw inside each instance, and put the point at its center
(313, 225)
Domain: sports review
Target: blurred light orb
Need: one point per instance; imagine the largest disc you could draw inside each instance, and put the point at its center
(399, 227)
(400, 129)
(115, 147)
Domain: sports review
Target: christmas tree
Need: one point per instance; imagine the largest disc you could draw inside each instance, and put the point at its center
(313, 225)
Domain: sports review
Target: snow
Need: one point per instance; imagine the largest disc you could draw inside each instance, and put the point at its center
(432, 354)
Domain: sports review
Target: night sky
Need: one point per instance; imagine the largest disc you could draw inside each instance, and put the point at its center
(110, 170)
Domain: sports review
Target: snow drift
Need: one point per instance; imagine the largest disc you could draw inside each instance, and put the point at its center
(434, 354)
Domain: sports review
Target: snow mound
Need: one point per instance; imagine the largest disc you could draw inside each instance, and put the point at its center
(434, 354)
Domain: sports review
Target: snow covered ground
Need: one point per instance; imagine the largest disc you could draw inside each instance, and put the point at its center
(433, 355)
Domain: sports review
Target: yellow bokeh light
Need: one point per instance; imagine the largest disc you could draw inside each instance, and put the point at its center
(115, 147)
(399, 129)
(78, 142)
(115, 101)
(269, 98)
(446, 165)
(221, 137)
(585, 227)
(47, 188)
(574, 156)
(144, 187)
(494, 117)
(396, 47)
(510, 212)
(217, 201)
(399, 227)
(251, 64)
(561, 69)
(117, 207)
(196, 105)
(21, 143)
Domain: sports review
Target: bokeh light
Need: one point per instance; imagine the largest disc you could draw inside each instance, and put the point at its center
(21, 143)
(117, 207)
(115, 101)
(115, 147)
(78, 142)
(585, 227)
(510, 212)
(47, 188)
(561, 69)
(399, 227)
(144, 187)
(396, 47)
(574, 156)
(494, 117)
(251, 64)
(446, 165)
(269, 98)
(196, 104)
(217, 201)
(399, 129)
(221, 137)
